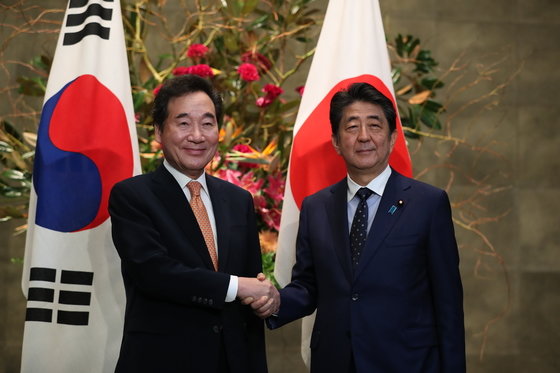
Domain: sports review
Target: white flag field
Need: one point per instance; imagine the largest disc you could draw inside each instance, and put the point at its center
(86, 143)
(351, 48)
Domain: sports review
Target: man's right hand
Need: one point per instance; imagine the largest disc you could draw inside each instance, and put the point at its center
(260, 293)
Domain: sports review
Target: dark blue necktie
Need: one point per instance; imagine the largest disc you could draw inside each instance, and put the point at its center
(358, 231)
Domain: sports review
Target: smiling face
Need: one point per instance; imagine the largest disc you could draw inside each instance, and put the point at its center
(189, 135)
(364, 141)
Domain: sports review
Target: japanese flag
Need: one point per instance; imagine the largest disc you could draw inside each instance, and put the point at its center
(351, 48)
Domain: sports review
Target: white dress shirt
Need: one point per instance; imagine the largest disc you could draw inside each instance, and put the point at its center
(183, 180)
(377, 185)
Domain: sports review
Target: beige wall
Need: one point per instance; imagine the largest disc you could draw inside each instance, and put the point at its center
(514, 288)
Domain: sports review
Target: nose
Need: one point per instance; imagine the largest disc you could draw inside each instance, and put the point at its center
(195, 134)
(363, 134)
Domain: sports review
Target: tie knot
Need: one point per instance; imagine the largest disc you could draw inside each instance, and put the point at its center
(364, 193)
(194, 188)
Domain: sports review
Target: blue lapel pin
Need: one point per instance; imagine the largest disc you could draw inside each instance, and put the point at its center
(394, 208)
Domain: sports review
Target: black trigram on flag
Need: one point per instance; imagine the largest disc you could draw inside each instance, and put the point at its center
(72, 305)
(81, 19)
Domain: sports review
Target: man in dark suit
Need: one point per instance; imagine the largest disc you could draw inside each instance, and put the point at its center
(376, 256)
(189, 249)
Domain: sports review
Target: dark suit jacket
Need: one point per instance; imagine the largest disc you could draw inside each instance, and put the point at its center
(176, 316)
(400, 309)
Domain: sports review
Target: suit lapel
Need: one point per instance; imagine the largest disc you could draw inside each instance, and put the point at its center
(174, 201)
(338, 220)
(385, 218)
(220, 208)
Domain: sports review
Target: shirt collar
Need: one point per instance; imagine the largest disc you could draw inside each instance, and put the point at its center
(183, 179)
(377, 184)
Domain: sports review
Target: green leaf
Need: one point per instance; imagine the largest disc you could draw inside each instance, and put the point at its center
(138, 99)
(249, 6)
(31, 86)
(5, 147)
(231, 42)
(289, 105)
(260, 22)
(396, 75)
(11, 193)
(407, 123)
(430, 119)
(431, 83)
(12, 131)
(425, 63)
(14, 175)
(434, 106)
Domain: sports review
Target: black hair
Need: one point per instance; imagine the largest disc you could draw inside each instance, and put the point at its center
(180, 86)
(363, 92)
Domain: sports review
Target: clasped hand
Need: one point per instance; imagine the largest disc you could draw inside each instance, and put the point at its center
(260, 294)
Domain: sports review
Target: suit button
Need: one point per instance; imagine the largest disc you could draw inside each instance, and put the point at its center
(355, 296)
(216, 329)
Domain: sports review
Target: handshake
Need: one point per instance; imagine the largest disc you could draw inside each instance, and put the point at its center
(260, 294)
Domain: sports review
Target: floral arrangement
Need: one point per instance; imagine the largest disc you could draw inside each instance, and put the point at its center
(249, 50)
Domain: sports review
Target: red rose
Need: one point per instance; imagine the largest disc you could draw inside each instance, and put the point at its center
(197, 50)
(156, 89)
(300, 90)
(202, 70)
(257, 59)
(264, 101)
(272, 91)
(248, 72)
(181, 70)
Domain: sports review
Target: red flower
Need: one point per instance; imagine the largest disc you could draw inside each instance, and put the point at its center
(181, 70)
(229, 175)
(197, 50)
(202, 70)
(257, 59)
(248, 72)
(275, 188)
(156, 89)
(260, 202)
(242, 148)
(271, 217)
(300, 90)
(248, 182)
(272, 90)
(263, 101)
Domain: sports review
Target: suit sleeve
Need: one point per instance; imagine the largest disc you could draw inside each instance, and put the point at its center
(299, 297)
(443, 262)
(146, 263)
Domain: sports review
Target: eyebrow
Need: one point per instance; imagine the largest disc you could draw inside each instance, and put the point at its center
(205, 115)
(353, 117)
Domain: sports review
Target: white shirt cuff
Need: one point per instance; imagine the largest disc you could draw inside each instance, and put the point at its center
(232, 288)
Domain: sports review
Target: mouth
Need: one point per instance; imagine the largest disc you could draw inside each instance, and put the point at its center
(194, 151)
(364, 151)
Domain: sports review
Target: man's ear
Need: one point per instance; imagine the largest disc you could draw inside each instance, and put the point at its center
(393, 139)
(334, 140)
(157, 133)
